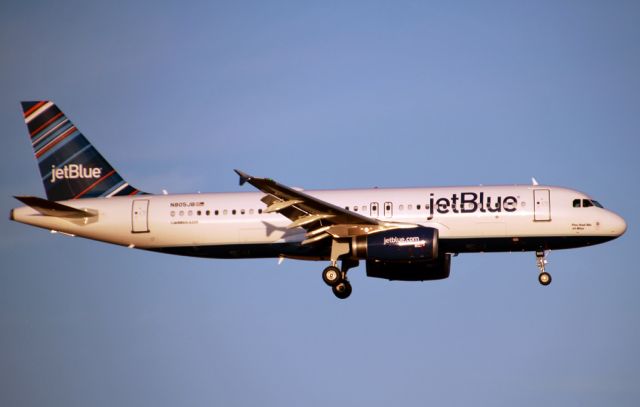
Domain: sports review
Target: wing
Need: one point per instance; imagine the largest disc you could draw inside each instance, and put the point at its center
(319, 218)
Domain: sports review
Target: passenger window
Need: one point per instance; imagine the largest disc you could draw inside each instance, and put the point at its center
(233, 212)
(418, 206)
(364, 208)
(190, 213)
(217, 212)
(199, 213)
(208, 212)
(355, 208)
(225, 212)
(576, 203)
(259, 211)
(401, 207)
(409, 207)
(250, 211)
(241, 211)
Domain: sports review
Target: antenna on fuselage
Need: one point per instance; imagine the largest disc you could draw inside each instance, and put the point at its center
(534, 181)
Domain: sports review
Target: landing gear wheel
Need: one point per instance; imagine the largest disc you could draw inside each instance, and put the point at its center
(342, 290)
(541, 261)
(544, 278)
(332, 276)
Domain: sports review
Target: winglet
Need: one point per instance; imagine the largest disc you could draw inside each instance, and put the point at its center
(244, 177)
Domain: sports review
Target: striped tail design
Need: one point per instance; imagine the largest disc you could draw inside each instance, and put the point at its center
(70, 166)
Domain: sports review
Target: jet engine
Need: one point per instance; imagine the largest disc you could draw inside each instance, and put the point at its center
(403, 254)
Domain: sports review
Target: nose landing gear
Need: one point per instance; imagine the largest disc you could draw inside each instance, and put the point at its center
(541, 260)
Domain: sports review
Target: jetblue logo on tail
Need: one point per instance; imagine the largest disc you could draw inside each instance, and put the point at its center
(74, 171)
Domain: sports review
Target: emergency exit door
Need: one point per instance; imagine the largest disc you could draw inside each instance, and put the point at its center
(374, 209)
(388, 209)
(140, 216)
(541, 205)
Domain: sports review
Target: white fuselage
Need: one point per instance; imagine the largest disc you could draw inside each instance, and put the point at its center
(466, 217)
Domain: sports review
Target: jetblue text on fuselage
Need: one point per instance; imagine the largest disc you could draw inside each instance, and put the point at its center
(74, 171)
(470, 202)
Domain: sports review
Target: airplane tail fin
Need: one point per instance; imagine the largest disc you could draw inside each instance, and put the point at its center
(71, 168)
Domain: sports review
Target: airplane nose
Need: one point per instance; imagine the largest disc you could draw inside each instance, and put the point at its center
(617, 224)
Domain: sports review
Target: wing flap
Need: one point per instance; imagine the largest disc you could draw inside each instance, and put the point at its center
(277, 206)
(305, 220)
(315, 239)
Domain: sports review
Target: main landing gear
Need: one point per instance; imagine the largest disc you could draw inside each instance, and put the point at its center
(337, 278)
(541, 260)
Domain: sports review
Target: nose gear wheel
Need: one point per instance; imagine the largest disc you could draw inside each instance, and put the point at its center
(544, 278)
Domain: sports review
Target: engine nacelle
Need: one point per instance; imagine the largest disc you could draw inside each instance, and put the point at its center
(410, 271)
(415, 244)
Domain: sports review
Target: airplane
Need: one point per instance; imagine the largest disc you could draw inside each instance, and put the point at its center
(406, 234)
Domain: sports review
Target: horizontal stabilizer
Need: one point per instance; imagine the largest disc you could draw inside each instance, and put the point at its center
(50, 208)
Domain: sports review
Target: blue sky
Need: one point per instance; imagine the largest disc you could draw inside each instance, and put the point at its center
(323, 95)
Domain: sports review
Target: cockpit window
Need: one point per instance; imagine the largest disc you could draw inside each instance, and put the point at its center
(585, 203)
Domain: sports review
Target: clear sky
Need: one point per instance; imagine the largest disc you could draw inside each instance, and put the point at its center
(323, 95)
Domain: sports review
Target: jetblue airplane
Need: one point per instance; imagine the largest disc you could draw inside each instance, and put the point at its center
(400, 233)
